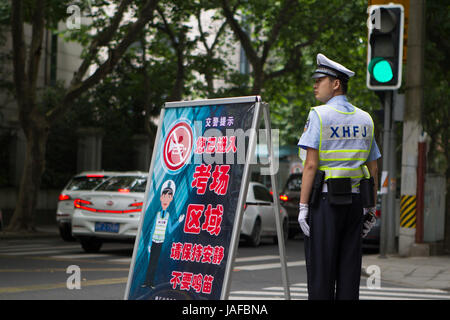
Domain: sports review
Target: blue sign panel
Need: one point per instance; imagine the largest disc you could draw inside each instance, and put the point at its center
(183, 243)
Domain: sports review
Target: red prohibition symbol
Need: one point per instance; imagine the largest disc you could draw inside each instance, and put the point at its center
(178, 146)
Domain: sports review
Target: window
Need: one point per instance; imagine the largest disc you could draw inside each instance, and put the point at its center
(85, 183)
(262, 194)
(129, 183)
(294, 183)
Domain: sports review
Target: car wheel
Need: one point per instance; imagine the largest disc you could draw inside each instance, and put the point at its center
(255, 238)
(65, 231)
(91, 245)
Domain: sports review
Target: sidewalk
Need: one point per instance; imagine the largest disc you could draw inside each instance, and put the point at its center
(421, 272)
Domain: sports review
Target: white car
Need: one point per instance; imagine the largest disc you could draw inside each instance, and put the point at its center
(259, 219)
(110, 211)
(80, 183)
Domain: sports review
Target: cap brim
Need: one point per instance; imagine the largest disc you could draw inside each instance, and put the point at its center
(317, 75)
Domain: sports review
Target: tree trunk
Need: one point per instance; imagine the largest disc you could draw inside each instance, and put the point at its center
(258, 80)
(178, 88)
(36, 134)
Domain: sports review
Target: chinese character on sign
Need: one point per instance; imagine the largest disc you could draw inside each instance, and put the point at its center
(200, 145)
(192, 222)
(201, 177)
(187, 251)
(220, 179)
(186, 280)
(207, 284)
(175, 252)
(211, 145)
(232, 145)
(218, 255)
(208, 253)
(221, 144)
(213, 218)
(197, 253)
(197, 281)
(175, 281)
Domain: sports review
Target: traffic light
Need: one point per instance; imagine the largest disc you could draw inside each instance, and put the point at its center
(385, 47)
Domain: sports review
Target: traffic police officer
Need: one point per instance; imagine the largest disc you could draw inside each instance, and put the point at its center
(164, 221)
(338, 141)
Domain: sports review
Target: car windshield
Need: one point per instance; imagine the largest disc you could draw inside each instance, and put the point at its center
(85, 182)
(124, 184)
(294, 183)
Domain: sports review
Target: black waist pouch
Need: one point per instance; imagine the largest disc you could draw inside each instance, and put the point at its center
(339, 191)
(317, 188)
(366, 188)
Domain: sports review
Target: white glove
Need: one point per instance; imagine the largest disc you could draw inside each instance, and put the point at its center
(369, 220)
(302, 216)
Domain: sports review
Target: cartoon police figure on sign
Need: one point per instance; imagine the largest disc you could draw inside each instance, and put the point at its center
(338, 185)
(164, 222)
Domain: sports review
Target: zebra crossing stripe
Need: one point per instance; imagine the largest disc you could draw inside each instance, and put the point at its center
(299, 291)
(408, 211)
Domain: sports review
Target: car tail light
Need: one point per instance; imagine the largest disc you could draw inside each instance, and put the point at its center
(124, 190)
(81, 204)
(137, 207)
(284, 197)
(245, 206)
(63, 197)
(136, 204)
(95, 176)
(378, 213)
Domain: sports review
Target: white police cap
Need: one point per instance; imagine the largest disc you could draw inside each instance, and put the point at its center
(328, 67)
(169, 184)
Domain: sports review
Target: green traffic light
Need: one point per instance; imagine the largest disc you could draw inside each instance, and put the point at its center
(381, 70)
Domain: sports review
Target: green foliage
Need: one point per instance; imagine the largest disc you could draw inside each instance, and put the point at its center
(337, 29)
(171, 48)
(436, 111)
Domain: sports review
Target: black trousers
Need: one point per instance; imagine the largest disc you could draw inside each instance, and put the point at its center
(153, 263)
(333, 250)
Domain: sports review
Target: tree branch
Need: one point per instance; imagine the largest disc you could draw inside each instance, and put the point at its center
(19, 60)
(209, 49)
(76, 89)
(295, 55)
(281, 20)
(167, 28)
(101, 39)
(35, 51)
(242, 36)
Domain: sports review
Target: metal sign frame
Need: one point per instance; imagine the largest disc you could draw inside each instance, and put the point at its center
(261, 109)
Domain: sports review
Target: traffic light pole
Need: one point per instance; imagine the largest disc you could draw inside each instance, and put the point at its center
(387, 235)
(391, 246)
(386, 140)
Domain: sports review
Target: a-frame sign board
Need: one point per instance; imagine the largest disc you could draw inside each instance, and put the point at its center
(194, 201)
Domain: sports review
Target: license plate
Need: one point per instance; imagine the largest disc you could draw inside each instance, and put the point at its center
(107, 227)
